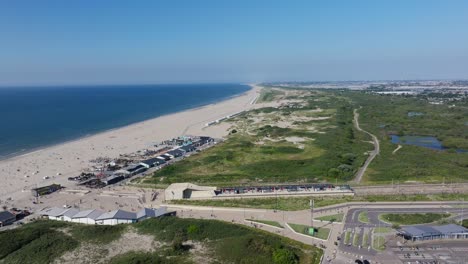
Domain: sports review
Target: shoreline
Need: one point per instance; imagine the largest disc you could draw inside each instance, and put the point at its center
(67, 159)
(20, 153)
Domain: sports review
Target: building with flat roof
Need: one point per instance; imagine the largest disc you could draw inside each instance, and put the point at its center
(428, 232)
(177, 191)
(6, 218)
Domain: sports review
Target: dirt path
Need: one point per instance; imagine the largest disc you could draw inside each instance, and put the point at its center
(398, 148)
(373, 154)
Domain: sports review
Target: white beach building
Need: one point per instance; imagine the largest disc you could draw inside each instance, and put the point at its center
(116, 217)
(87, 217)
(68, 215)
(54, 213)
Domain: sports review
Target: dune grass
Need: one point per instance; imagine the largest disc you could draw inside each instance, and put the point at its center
(321, 232)
(412, 219)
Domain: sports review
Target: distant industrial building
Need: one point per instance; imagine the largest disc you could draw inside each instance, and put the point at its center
(427, 232)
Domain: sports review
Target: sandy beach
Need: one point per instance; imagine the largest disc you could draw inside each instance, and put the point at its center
(21, 173)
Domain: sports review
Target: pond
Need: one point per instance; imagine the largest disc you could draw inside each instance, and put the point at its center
(427, 142)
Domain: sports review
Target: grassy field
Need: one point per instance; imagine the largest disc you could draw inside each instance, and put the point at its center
(46, 242)
(321, 232)
(303, 203)
(363, 217)
(356, 238)
(266, 222)
(314, 142)
(378, 243)
(382, 230)
(347, 237)
(412, 219)
(331, 218)
(365, 240)
(386, 115)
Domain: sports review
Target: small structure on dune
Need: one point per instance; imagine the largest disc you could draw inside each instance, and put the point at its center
(40, 191)
(177, 191)
(6, 218)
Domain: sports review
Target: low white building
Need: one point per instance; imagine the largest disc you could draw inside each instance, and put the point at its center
(87, 217)
(177, 191)
(68, 215)
(54, 213)
(116, 217)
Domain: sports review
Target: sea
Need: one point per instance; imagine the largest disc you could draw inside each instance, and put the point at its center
(35, 117)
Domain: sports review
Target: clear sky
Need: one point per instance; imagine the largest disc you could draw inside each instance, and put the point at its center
(111, 42)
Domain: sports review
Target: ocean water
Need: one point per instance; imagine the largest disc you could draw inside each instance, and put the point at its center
(35, 117)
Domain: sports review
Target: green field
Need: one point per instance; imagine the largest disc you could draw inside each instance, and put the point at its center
(365, 240)
(347, 237)
(386, 115)
(412, 219)
(263, 148)
(266, 222)
(382, 230)
(321, 232)
(378, 243)
(331, 218)
(47, 241)
(356, 238)
(363, 217)
(302, 203)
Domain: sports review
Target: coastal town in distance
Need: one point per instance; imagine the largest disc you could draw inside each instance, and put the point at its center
(234, 132)
(353, 211)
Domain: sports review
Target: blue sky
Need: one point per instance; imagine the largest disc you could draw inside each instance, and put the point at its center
(107, 42)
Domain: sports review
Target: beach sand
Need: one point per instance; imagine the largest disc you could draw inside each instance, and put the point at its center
(19, 174)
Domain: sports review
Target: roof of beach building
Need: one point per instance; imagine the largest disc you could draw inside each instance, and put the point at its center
(118, 214)
(5, 215)
(71, 212)
(91, 214)
(53, 211)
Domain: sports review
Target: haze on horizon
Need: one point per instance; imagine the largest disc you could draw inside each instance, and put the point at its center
(119, 42)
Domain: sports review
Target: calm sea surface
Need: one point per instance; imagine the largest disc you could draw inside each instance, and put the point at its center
(34, 117)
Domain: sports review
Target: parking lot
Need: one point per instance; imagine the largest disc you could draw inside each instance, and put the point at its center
(435, 252)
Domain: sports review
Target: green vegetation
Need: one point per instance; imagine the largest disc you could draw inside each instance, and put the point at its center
(46, 241)
(268, 95)
(266, 222)
(302, 203)
(378, 243)
(465, 223)
(363, 217)
(231, 243)
(332, 218)
(147, 257)
(385, 115)
(356, 238)
(321, 232)
(347, 237)
(330, 147)
(382, 230)
(412, 219)
(40, 242)
(97, 234)
(365, 240)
